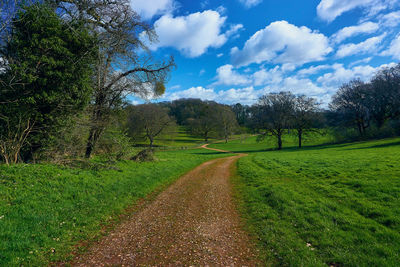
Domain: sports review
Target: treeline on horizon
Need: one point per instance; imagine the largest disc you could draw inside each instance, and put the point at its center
(65, 73)
(358, 110)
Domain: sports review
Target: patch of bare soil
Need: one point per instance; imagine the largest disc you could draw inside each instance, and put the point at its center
(193, 222)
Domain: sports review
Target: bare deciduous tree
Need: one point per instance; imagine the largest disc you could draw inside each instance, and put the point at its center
(351, 101)
(149, 121)
(14, 137)
(305, 114)
(205, 123)
(8, 9)
(384, 95)
(226, 121)
(275, 114)
(125, 65)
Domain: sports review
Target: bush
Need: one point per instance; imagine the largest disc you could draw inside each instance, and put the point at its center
(144, 155)
(115, 144)
(344, 134)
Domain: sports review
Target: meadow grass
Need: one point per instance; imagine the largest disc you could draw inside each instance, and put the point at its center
(335, 205)
(45, 209)
(180, 138)
(250, 143)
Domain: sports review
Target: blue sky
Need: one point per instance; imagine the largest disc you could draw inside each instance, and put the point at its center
(236, 50)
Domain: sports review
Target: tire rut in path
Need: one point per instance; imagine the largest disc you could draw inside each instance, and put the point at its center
(193, 222)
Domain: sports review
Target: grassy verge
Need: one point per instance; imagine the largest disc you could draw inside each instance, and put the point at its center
(336, 205)
(45, 210)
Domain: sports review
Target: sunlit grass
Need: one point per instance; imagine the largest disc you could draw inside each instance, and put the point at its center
(46, 209)
(250, 143)
(335, 205)
(181, 139)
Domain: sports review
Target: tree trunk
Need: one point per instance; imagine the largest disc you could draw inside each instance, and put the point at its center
(279, 141)
(92, 140)
(380, 122)
(300, 134)
(365, 126)
(98, 116)
(151, 142)
(206, 136)
(90, 144)
(359, 129)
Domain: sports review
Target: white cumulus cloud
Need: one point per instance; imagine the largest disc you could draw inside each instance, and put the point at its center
(247, 95)
(329, 10)
(264, 76)
(193, 92)
(233, 30)
(193, 34)
(368, 46)
(346, 32)
(341, 74)
(149, 8)
(391, 19)
(282, 42)
(228, 76)
(360, 61)
(302, 86)
(297, 86)
(312, 70)
(394, 48)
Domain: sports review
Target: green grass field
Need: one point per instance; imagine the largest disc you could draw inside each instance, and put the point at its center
(335, 205)
(180, 139)
(45, 210)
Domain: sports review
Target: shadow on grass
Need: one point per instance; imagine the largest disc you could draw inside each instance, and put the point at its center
(180, 140)
(187, 141)
(295, 148)
(397, 143)
(212, 153)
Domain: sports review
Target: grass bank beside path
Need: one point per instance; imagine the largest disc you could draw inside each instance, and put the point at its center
(335, 205)
(45, 209)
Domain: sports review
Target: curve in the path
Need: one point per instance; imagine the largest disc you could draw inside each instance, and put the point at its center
(193, 222)
(205, 146)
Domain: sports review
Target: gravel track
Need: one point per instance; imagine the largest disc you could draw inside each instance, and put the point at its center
(193, 222)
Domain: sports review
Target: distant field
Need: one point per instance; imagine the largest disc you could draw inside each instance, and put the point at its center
(335, 205)
(179, 139)
(249, 143)
(46, 209)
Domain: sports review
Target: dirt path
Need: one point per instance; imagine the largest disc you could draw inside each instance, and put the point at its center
(193, 222)
(216, 149)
